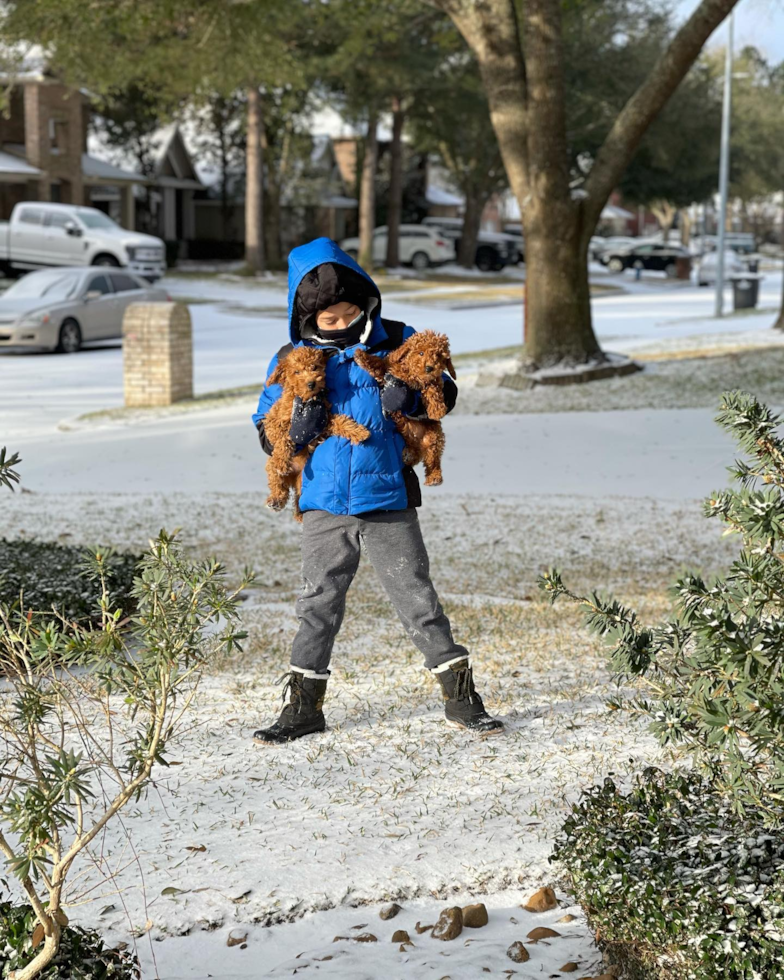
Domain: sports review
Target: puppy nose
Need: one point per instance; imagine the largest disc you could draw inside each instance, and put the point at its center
(429, 369)
(311, 385)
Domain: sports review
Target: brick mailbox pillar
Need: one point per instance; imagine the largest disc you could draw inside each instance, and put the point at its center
(157, 354)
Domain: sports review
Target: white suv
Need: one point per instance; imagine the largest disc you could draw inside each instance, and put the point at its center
(419, 246)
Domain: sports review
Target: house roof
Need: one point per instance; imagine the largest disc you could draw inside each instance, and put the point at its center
(95, 169)
(14, 166)
(441, 197)
(172, 162)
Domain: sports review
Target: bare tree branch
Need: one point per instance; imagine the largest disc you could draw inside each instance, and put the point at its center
(646, 103)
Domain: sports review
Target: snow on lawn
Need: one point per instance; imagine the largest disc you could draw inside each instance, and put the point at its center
(389, 804)
(690, 378)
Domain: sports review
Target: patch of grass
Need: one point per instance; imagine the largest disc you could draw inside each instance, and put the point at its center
(682, 380)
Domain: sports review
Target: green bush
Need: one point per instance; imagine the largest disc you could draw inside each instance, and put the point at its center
(683, 876)
(677, 884)
(53, 575)
(714, 667)
(82, 954)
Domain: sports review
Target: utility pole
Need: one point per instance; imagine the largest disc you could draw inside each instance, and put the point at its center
(724, 167)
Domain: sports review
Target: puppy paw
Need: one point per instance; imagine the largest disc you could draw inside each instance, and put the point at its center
(275, 503)
(434, 480)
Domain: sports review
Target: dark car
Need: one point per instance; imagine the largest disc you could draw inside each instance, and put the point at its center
(516, 232)
(494, 250)
(656, 256)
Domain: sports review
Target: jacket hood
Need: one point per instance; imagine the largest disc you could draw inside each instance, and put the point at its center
(304, 259)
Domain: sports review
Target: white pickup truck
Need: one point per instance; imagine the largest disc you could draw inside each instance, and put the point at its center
(41, 235)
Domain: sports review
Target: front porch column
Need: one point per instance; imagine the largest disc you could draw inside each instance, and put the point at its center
(169, 204)
(127, 207)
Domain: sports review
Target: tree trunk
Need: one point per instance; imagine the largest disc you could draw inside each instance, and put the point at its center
(367, 194)
(466, 254)
(273, 252)
(224, 185)
(395, 208)
(685, 227)
(664, 212)
(43, 957)
(272, 224)
(557, 294)
(526, 98)
(558, 308)
(779, 324)
(254, 180)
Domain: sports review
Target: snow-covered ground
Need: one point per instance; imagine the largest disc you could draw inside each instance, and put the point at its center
(389, 804)
(305, 843)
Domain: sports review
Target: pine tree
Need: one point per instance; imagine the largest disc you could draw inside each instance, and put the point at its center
(714, 669)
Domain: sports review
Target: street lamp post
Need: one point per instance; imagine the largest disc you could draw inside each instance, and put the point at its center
(724, 168)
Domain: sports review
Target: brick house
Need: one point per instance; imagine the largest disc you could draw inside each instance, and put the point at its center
(43, 150)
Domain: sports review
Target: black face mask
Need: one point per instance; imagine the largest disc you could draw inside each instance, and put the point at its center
(347, 337)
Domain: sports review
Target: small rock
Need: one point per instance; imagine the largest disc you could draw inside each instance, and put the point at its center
(401, 936)
(542, 932)
(339, 939)
(366, 937)
(403, 947)
(362, 925)
(420, 929)
(569, 967)
(518, 953)
(541, 901)
(389, 911)
(475, 916)
(449, 925)
(567, 918)
(236, 940)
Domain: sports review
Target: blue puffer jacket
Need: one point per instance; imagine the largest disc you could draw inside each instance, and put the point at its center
(341, 478)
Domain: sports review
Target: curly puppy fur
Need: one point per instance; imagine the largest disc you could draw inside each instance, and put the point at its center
(303, 375)
(420, 363)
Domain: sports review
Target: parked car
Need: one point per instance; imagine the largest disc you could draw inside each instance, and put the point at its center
(601, 248)
(494, 250)
(657, 256)
(516, 231)
(61, 309)
(420, 247)
(745, 243)
(708, 266)
(40, 235)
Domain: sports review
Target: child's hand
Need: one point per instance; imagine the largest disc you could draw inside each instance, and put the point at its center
(396, 396)
(308, 421)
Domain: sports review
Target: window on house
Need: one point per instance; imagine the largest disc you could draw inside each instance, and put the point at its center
(58, 135)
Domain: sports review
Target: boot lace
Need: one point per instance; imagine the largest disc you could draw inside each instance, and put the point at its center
(292, 690)
(464, 685)
(299, 697)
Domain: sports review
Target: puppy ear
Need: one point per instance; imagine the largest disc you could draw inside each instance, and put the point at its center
(278, 376)
(450, 367)
(397, 355)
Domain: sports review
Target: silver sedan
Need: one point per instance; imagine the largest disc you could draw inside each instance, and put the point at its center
(62, 309)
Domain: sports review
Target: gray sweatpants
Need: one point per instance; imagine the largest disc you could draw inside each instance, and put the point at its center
(330, 558)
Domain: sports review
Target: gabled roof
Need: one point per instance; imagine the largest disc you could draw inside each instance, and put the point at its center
(96, 169)
(172, 162)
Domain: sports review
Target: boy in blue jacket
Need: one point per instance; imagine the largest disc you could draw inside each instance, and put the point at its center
(357, 494)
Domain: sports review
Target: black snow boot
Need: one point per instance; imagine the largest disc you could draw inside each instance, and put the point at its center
(463, 705)
(302, 715)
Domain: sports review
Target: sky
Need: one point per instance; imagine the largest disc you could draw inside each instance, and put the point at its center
(757, 22)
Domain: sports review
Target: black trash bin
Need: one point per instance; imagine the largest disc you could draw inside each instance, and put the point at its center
(745, 292)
